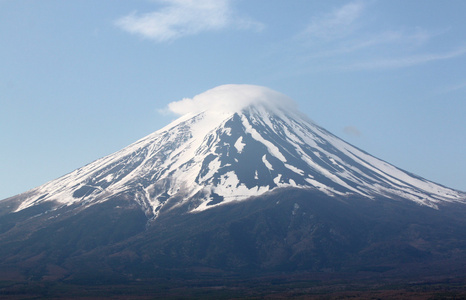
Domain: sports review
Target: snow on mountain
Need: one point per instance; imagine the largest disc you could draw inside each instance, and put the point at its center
(233, 142)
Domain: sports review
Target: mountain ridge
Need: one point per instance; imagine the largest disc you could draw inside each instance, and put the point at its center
(221, 196)
(211, 157)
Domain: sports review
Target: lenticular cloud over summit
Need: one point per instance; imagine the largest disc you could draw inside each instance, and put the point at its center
(232, 98)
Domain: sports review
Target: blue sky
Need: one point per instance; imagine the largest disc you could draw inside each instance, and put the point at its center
(83, 79)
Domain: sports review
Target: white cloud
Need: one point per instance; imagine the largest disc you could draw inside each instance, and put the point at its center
(346, 39)
(178, 18)
(347, 29)
(231, 98)
(336, 24)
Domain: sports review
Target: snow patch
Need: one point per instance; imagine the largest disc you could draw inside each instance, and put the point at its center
(266, 163)
(278, 179)
(239, 145)
(294, 169)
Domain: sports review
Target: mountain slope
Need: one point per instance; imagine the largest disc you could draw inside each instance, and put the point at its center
(290, 232)
(240, 186)
(223, 154)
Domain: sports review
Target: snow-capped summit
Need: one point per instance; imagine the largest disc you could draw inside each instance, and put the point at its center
(230, 143)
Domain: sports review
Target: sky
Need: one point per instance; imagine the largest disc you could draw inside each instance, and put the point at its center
(81, 79)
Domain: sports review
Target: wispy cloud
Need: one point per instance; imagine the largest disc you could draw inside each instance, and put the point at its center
(368, 42)
(401, 62)
(345, 39)
(453, 87)
(179, 18)
(352, 131)
(336, 24)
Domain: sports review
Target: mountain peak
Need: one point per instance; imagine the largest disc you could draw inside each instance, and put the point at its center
(231, 143)
(300, 199)
(232, 98)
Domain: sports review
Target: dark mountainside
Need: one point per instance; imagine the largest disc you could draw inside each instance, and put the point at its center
(259, 203)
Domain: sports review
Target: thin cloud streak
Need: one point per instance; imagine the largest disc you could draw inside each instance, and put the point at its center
(179, 18)
(344, 40)
(358, 44)
(453, 88)
(336, 24)
(402, 62)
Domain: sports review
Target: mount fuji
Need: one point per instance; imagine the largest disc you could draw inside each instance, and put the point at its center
(250, 142)
(241, 181)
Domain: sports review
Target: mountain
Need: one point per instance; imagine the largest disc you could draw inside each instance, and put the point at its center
(216, 156)
(241, 182)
